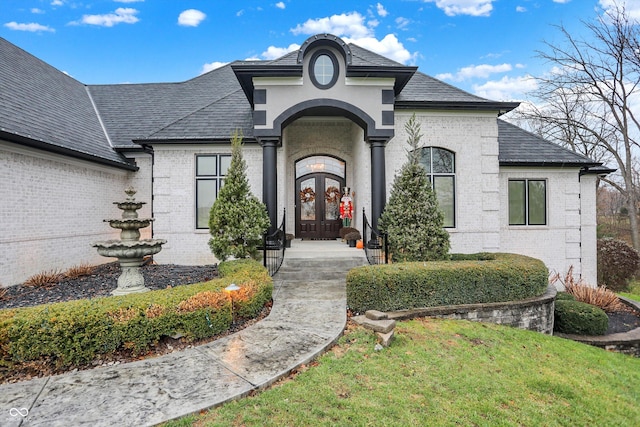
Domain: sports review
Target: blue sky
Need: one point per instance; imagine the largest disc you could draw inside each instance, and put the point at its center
(487, 47)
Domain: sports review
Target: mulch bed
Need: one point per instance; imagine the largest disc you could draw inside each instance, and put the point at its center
(623, 321)
(104, 280)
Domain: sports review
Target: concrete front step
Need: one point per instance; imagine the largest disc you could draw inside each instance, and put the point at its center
(320, 263)
(317, 269)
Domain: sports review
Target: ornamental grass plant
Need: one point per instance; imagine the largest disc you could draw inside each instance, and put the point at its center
(599, 296)
(79, 271)
(45, 279)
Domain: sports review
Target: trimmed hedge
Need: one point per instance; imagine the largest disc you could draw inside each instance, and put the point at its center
(579, 318)
(564, 296)
(76, 332)
(508, 277)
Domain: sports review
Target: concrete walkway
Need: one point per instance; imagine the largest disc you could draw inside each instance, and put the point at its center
(307, 317)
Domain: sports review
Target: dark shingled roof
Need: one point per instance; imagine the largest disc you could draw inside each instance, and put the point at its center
(518, 147)
(137, 111)
(214, 122)
(44, 108)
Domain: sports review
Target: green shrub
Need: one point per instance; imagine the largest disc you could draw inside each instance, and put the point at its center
(579, 318)
(508, 277)
(256, 286)
(617, 263)
(412, 218)
(480, 256)
(346, 230)
(77, 332)
(354, 235)
(564, 296)
(237, 219)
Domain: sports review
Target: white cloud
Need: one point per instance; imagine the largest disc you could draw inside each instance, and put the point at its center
(280, 5)
(274, 52)
(122, 15)
(37, 11)
(464, 7)
(389, 47)
(631, 7)
(128, 1)
(191, 18)
(212, 66)
(507, 88)
(521, 9)
(402, 23)
(347, 24)
(476, 71)
(381, 10)
(351, 28)
(31, 27)
(57, 3)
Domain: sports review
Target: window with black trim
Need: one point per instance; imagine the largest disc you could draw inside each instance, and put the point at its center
(527, 202)
(440, 166)
(210, 172)
(323, 69)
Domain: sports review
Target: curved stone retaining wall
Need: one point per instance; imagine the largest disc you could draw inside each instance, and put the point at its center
(624, 342)
(535, 314)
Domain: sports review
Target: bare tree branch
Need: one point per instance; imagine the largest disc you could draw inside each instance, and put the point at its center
(587, 102)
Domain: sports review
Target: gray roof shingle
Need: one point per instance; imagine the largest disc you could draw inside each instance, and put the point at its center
(518, 147)
(45, 108)
(136, 111)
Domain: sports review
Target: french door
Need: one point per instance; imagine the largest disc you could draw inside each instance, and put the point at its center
(318, 206)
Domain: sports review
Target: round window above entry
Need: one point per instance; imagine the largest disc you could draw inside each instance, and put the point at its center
(323, 69)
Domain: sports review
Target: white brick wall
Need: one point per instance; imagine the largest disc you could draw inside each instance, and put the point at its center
(473, 139)
(174, 202)
(52, 209)
(558, 243)
(588, 232)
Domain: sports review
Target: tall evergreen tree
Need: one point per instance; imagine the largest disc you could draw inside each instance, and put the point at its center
(412, 218)
(237, 219)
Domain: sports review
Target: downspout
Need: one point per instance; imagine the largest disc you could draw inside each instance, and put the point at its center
(150, 151)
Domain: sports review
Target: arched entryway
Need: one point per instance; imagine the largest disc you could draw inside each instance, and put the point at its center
(319, 182)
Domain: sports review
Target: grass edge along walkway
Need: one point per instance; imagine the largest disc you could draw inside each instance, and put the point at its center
(442, 372)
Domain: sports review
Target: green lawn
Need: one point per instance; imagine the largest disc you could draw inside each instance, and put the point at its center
(634, 291)
(441, 373)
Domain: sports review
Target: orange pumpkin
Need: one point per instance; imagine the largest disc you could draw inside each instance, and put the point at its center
(359, 244)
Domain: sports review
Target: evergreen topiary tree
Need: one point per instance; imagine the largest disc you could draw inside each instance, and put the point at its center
(237, 219)
(412, 218)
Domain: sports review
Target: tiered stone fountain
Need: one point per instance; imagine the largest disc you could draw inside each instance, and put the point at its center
(129, 250)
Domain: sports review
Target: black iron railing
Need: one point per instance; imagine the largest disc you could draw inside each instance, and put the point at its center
(273, 246)
(376, 246)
